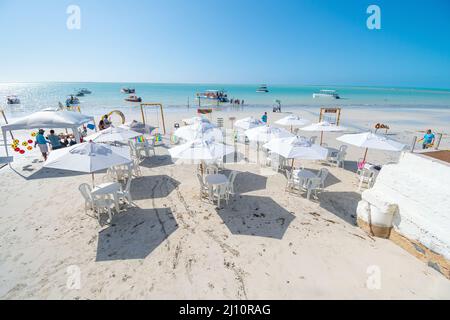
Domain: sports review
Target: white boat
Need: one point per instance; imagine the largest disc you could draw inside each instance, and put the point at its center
(12, 100)
(326, 94)
(85, 91)
(133, 98)
(128, 90)
(217, 95)
(262, 89)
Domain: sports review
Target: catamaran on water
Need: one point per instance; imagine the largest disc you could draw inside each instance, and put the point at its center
(326, 94)
(216, 95)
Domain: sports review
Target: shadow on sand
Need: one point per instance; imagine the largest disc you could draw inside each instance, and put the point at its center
(341, 204)
(157, 161)
(256, 216)
(135, 233)
(248, 182)
(153, 187)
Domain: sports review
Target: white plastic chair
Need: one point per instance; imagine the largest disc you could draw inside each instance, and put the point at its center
(125, 193)
(338, 159)
(146, 147)
(367, 177)
(313, 185)
(136, 168)
(231, 179)
(221, 192)
(98, 204)
(86, 190)
(322, 175)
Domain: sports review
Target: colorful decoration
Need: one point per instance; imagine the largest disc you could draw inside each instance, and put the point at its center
(28, 145)
(30, 148)
(24, 143)
(30, 141)
(34, 134)
(140, 139)
(22, 151)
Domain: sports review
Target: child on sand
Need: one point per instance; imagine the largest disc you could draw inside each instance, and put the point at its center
(42, 143)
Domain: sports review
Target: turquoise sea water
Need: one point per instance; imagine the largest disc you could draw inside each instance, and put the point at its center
(107, 96)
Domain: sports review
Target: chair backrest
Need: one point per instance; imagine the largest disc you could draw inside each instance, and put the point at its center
(212, 169)
(232, 177)
(220, 122)
(128, 185)
(86, 190)
(323, 174)
(343, 148)
(312, 140)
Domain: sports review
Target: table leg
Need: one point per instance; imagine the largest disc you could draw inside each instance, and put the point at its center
(116, 202)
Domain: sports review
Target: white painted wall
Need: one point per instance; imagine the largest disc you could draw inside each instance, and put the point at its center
(414, 197)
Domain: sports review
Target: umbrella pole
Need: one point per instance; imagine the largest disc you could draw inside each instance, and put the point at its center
(365, 155)
(321, 138)
(93, 180)
(292, 165)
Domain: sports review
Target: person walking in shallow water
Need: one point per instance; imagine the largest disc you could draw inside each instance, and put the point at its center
(264, 118)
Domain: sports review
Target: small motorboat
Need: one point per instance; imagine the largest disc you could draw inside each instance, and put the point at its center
(133, 98)
(326, 94)
(12, 100)
(79, 94)
(128, 90)
(72, 101)
(217, 95)
(262, 89)
(85, 91)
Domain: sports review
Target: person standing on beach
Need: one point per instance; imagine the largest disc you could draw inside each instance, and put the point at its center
(428, 140)
(264, 118)
(42, 143)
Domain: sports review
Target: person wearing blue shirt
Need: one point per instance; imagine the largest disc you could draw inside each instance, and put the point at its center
(54, 140)
(264, 118)
(42, 143)
(428, 140)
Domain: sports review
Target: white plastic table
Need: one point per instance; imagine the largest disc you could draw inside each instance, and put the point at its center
(213, 180)
(110, 188)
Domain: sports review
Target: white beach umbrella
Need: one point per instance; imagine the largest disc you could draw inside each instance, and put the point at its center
(297, 148)
(113, 134)
(323, 127)
(248, 123)
(371, 140)
(195, 120)
(200, 149)
(293, 120)
(266, 133)
(200, 130)
(88, 157)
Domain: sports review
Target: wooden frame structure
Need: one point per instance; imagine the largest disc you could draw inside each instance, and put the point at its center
(337, 111)
(153, 105)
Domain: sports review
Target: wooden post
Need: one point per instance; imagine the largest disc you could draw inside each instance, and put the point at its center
(365, 154)
(321, 137)
(436, 144)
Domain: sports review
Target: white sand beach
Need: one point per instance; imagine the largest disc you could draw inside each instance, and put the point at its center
(265, 244)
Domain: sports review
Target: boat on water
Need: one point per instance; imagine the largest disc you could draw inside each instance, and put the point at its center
(133, 98)
(79, 94)
(326, 94)
(262, 89)
(216, 95)
(12, 100)
(72, 101)
(85, 91)
(128, 90)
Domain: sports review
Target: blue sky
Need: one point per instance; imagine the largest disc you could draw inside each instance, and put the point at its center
(228, 41)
